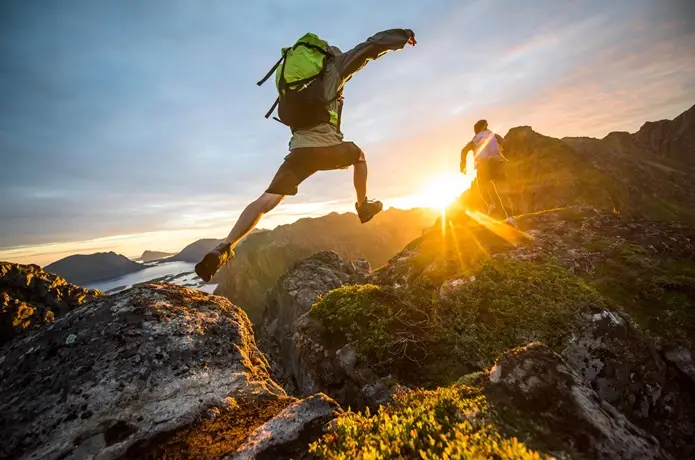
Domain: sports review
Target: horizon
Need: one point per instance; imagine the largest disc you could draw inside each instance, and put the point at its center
(131, 127)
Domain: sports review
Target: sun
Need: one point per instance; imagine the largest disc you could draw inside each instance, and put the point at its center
(444, 188)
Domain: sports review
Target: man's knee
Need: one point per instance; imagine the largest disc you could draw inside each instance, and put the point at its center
(361, 158)
(268, 201)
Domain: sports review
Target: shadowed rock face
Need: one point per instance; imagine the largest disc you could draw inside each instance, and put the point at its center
(563, 410)
(31, 297)
(293, 296)
(126, 368)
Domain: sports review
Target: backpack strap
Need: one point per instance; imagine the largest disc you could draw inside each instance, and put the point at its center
(272, 109)
(270, 72)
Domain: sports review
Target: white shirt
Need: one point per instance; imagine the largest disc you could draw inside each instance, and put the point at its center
(486, 145)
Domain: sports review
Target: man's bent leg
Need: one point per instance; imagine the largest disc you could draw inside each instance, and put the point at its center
(250, 217)
(360, 178)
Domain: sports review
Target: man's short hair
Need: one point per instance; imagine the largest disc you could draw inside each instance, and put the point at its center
(480, 126)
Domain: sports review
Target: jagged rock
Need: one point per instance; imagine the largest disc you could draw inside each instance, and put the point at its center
(125, 369)
(31, 297)
(339, 372)
(288, 433)
(682, 359)
(293, 296)
(626, 371)
(562, 410)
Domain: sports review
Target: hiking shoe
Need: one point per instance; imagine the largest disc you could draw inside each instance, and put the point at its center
(213, 260)
(368, 209)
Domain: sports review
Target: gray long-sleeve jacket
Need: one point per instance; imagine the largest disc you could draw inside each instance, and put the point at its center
(339, 69)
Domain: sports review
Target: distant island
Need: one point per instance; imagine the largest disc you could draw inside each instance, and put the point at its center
(150, 256)
(83, 269)
(194, 252)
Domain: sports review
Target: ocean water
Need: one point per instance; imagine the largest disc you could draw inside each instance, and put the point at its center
(181, 273)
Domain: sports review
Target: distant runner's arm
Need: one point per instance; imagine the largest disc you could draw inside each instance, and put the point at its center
(500, 143)
(354, 60)
(464, 152)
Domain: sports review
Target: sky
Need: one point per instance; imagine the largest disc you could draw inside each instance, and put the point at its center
(138, 125)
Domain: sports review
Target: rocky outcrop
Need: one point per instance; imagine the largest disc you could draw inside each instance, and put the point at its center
(338, 371)
(292, 297)
(31, 297)
(613, 357)
(289, 432)
(84, 269)
(558, 410)
(262, 258)
(116, 375)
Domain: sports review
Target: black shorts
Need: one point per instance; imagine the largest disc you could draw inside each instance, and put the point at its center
(491, 170)
(305, 161)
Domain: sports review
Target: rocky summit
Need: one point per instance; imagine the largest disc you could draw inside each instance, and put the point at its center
(158, 371)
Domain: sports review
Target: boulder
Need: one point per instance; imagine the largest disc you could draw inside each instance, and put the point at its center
(288, 433)
(121, 372)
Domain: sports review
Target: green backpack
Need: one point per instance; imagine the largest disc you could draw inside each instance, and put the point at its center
(301, 101)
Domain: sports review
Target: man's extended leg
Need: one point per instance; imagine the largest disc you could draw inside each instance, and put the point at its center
(251, 215)
(248, 219)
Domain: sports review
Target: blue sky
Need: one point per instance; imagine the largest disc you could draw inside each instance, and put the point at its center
(131, 125)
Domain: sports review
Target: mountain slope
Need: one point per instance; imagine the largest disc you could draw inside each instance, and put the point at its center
(263, 257)
(84, 269)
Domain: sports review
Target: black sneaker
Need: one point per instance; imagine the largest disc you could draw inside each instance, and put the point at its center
(368, 209)
(213, 260)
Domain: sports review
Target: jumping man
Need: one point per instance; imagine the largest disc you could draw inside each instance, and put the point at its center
(310, 77)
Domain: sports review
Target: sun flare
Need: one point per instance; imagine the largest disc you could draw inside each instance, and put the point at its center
(443, 189)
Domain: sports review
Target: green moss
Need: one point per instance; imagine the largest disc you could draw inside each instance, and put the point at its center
(453, 422)
(428, 341)
(658, 293)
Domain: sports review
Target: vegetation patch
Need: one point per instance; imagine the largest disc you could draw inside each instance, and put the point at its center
(658, 293)
(454, 422)
(426, 340)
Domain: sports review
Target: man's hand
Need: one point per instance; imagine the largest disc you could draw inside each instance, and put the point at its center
(411, 40)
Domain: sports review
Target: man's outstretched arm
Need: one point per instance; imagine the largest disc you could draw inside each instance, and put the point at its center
(354, 60)
(464, 153)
